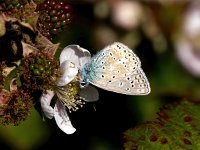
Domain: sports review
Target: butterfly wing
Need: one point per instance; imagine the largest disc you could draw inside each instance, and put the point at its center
(116, 68)
(133, 84)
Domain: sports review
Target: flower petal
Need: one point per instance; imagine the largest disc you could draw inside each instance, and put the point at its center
(27, 49)
(62, 119)
(45, 101)
(191, 24)
(69, 73)
(75, 54)
(187, 56)
(90, 93)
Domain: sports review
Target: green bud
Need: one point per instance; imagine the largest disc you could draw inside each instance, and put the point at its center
(36, 72)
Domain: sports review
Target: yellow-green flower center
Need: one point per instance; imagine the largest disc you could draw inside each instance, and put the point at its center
(68, 95)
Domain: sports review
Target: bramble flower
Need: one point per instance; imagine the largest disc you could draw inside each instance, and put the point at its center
(68, 92)
(28, 64)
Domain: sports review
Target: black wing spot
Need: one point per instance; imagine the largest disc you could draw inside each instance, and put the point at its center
(141, 85)
(118, 46)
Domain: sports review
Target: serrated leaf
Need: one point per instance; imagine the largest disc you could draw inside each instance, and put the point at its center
(177, 127)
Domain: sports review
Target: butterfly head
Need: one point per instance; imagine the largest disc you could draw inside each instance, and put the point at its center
(83, 76)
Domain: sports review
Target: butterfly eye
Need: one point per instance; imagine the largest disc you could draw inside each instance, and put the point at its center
(83, 84)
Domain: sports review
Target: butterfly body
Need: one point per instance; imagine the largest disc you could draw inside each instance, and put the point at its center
(116, 68)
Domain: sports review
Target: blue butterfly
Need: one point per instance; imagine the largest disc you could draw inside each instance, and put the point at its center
(116, 68)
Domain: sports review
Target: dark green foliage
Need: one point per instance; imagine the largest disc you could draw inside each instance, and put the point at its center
(177, 127)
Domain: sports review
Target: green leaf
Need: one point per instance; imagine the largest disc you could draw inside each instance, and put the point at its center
(11, 75)
(177, 127)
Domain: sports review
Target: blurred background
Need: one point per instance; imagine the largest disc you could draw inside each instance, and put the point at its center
(165, 35)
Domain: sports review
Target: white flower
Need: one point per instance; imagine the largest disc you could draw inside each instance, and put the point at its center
(187, 46)
(188, 57)
(72, 58)
(127, 14)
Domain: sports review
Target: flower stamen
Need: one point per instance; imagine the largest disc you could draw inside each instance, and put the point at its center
(69, 97)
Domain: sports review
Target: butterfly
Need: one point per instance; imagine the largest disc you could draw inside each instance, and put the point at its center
(116, 68)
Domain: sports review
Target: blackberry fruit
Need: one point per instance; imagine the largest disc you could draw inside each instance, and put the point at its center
(54, 17)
